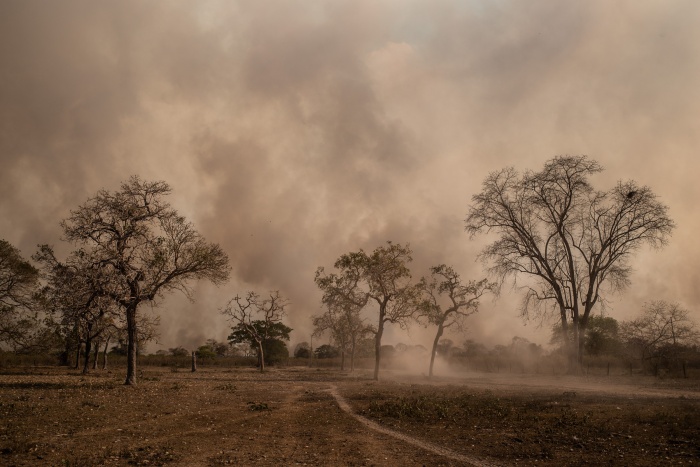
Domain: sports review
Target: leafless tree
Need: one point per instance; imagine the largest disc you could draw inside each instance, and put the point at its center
(381, 277)
(19, 282)
(462, 300)
(144, 247)
(565, 241)
(257, 319)
(345, 325)
(662, 331)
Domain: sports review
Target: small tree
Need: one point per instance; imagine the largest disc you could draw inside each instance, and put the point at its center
(145, 248)
(270, 311)
(565, 242)
(381, 277)
(462, 300)
(19, 282)
(662, 332)
(302, 350)
(346, 327)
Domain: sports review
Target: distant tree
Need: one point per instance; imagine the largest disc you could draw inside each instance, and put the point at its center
(205, 352)
(345, 325)
(326, 351)
(365, 347)
(302, 350)
(663, 331)
(221, 349)
(446, 301)
(387, 350)
(19, 282)
(474, 349)
(442, 347)
(565, 242)
(269, 311)
(381, 277)
(144, 247)
(602, 336)
(178, 352)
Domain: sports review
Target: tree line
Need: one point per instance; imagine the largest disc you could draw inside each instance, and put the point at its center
(564, 244)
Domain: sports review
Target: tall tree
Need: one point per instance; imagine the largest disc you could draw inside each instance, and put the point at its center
(144, 246)
(567, 242)
(447, 301)
(19, 282)
(257, 320)
(382, 277)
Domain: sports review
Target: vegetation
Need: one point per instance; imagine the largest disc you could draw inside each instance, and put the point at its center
(266, 333)
(462, 301)
(18, 286)
(567, 242)
(382, 278)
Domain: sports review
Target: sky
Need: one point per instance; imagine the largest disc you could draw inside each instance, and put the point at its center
(293, 132)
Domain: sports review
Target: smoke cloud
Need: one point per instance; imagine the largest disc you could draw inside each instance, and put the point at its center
(292, 133)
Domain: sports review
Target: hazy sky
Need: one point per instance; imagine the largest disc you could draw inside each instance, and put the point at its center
(292, 132)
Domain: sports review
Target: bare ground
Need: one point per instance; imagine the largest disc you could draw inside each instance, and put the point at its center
(301, 416)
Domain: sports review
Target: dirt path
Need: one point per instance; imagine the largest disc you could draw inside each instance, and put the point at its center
(470, 460)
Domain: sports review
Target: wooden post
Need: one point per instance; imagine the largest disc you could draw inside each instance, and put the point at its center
(194, 361)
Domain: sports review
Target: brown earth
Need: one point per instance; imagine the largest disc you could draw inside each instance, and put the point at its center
(296, 416)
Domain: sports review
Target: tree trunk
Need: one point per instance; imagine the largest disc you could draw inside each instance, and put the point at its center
(104, 355)
(96, 356)
(261, 357)
(342, 360)
(88, 349)
(352, 356)
(435, 344)
(378, 341)
(194, 361)
(131, 345)
(77, 356)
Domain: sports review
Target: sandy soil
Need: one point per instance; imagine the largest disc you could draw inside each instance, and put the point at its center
(301, 416)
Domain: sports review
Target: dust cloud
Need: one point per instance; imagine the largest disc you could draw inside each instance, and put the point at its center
(293, 133)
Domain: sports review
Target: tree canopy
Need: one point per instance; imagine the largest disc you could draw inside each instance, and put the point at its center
(141, 248)
(19, 282)
(563, 241)
(383, 278)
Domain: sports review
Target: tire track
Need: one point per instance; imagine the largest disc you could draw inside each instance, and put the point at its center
(434, 448)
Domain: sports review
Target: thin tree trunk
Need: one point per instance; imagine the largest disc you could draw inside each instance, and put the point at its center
(88, 350)
(131, 346)
(378, 342)
(104, 355)
(77, 355)
(96, 356)
(435, 344)
(261, 357)
(342, 360)
(352, 356)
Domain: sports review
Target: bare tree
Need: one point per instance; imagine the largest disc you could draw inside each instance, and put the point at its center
(381, 277)
(663, 331)
(145, 248)
(257, 319)
(445, 285)
(19, 282)
(346, 326)
(567, 242)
